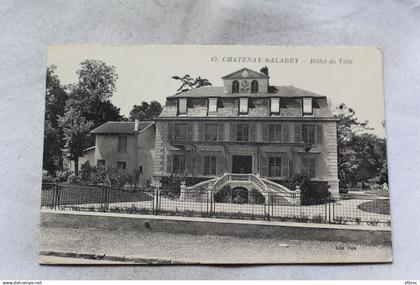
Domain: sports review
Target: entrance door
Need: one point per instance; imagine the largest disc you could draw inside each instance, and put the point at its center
(241, 164)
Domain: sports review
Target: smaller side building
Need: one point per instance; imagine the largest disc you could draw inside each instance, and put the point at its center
(126, 145)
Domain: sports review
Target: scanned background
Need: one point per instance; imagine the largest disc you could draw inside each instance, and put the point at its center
(28, 26)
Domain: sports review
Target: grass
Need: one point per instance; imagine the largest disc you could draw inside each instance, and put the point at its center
(376, 206)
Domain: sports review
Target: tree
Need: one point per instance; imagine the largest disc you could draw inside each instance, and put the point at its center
(55, 101)
(361, 156)
(96, 85)
(145, 111)
(75, 129)
(189, 83)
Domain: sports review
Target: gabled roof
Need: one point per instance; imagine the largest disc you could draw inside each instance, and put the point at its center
(120, 127)
(245, 73)
(274, 91)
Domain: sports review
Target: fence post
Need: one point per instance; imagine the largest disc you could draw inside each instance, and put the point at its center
(157, 199)
(210, 192)
(329, 212)
(57, 197)
(103, 200)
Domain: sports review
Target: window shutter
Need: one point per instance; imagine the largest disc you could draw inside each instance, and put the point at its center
(169, 163)
(319, 134)
(252, 132)
(220, 168)
(170, 131)
(201, 130)
(221, 132)
(298, 133)
(190, 130)
(199, 164)
(264, 166)
(285, 166)
(188, 163)
(285, 133)
(312, 167)
(232, 132)
(265, 133)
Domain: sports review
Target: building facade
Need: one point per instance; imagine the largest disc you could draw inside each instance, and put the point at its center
(125, 145)
(247, 126)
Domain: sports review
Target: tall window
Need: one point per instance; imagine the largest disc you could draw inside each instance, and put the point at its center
(122, 143)
(275, 106)
(180, 132)
(210, 165)
(242, 132)
(182, 106)
(274, 166)
(307, 106)
(309, 166)
(212, 105)
(178, 164)
(121, 165)
(274, 133)
(235, 86)
(308, 134)
(243, 105)
(210, 132)
(254, 86)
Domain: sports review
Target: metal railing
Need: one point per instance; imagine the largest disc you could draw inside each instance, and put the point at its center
(269, 207)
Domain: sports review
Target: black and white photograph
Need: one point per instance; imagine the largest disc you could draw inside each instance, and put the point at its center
(183, 154)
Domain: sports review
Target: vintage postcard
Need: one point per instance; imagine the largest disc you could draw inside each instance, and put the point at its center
(214, 155)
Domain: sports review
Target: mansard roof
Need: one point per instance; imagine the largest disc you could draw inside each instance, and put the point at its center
(245, 73)
(274, 91)
(120, 127)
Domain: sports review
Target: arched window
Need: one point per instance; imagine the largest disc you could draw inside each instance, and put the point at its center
(235, 86)
(254, 86)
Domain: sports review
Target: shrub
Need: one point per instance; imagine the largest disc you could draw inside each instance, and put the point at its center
(312, 192)
(224, 195)
(340, 220)
(373, 222)
(86, 172)
(171, 185)
(319, 219)
(256, 197)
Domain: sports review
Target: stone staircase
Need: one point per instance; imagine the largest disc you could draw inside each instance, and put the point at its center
(280, 194)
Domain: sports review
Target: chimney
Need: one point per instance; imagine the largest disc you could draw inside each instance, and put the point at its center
(136, 125)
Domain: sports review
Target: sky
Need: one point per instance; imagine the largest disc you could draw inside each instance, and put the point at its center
(345, 75)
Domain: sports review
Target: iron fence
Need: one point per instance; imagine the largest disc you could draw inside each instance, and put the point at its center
(373, 211)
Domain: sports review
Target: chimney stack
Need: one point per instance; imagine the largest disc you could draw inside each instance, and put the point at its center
(136, 125)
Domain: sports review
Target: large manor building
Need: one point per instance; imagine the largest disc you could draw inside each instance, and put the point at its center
(245, 126)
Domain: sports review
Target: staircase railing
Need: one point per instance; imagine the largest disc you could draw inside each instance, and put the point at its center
(280, 188)
(204, 184)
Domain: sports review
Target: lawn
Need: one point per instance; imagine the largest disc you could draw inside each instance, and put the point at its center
(376, 206)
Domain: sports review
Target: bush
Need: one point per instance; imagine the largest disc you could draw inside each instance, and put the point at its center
(171, 185)
(312, 192)
(224, 195)
(256, 197)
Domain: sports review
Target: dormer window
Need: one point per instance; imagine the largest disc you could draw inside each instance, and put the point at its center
(212, 105)
(243, 105)
(235, 86)
(254, 86)
(182, 106)
(275, 106)
(307, 106)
